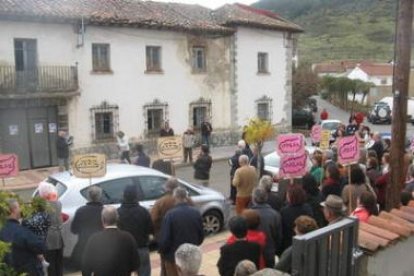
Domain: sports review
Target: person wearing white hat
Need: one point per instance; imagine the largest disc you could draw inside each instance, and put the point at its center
(333, 209)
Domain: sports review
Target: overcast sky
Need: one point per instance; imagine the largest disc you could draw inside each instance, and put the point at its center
(210, 3)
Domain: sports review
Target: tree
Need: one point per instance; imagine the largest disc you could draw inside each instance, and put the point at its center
(305, 83)
(256, 132)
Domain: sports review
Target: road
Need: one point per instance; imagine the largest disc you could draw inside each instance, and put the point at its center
(339, 114)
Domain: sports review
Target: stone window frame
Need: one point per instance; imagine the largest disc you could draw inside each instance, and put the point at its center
(265, 100)
(104, 107)
(201, 102)
(155, 104)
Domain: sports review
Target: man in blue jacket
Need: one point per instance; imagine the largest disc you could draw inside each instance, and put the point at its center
(25, 244)
(182, 224)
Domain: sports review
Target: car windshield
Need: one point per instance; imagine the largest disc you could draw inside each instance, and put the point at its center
(330, 125)
(272, 160)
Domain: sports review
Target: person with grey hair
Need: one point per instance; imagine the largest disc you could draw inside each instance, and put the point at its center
(273, 199)
(87, 221)
(111, 251)
(188, 259)
(182, 224)
(270, 224)
(245, 268)
(333, 209)
(245, 179)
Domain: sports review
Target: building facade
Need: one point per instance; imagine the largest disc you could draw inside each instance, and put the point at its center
(94, 68)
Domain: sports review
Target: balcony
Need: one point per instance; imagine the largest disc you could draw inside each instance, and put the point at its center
(39, 82)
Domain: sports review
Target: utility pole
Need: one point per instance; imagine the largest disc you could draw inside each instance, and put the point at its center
(402, 58)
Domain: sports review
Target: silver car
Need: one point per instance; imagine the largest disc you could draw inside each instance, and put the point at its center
(72, 192)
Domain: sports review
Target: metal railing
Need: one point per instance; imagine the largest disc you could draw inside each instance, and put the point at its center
(42, 79)
(329, 251)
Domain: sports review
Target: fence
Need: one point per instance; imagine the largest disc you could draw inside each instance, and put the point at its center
(329, 251)
(46, 79)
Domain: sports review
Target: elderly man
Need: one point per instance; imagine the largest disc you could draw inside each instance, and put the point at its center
(26, 246)
(244, 180)
(111, 251)
(333, 209)
(270, 224)
(188, 259)
(182, 224)
(62, 151)
(87, 221)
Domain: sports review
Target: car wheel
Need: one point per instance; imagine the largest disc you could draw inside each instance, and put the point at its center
(212, 222)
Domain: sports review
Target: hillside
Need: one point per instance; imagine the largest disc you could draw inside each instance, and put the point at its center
(340, 29)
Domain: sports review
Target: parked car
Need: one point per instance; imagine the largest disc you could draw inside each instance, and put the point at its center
(380, 113)
(72, 192)
(302, 118)
(332, 126)
(313, 104)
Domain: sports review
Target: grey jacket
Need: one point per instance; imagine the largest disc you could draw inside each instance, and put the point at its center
(54, 235)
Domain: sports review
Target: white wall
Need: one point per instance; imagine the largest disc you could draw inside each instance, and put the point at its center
(250, 84)
(358, 74)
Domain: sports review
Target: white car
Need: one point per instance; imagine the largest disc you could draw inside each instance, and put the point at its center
(332, 126)
(72, 192)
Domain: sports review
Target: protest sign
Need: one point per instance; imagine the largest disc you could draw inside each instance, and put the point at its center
(9, 165)
(170, 147)
(89, 165)
(348, 150)
(293, 143)
(316, 133)
(324, 140)
(293, 165)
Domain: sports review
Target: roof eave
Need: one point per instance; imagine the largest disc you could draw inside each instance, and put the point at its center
(293, 29)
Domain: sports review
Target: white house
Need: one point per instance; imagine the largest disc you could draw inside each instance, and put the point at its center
(380, 74)
(96, 67)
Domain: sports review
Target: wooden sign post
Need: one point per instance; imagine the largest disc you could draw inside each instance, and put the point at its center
(9, 167)
(324, 139)
(89, 165)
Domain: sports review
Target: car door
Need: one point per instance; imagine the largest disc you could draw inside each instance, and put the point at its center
(113, 190)
(150, 188)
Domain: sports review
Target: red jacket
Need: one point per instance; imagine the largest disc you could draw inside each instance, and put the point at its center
(361, 213)
(324, 115)
(255, 236)
(381, 185)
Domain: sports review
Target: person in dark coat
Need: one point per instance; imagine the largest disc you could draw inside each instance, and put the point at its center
(331, 185)
(378, 147)
(62, 151)
(136, 220)
(297, 206)
(273, 198)
(314, 198)
(142, 159)
(166, 130)
(202, 166)
(25, 245)
(270, 224)
(87, 221)
(111, 251)
(182, 224)
(234, 165)
(254, 161)
(206, 130)
(241, 249)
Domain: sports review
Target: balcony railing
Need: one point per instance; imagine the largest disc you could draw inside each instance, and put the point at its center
(42, 79)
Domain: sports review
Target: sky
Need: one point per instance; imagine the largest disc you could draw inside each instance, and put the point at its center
(212, 4)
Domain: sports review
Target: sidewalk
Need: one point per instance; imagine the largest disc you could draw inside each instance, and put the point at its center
(30, 178)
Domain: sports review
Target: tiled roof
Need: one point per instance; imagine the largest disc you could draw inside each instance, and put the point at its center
(146, 14)
(387, 228)
(238, 14)
(338, 66)
(377, 69)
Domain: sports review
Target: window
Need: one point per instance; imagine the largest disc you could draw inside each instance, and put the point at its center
(383, 81)
(104, 122)
(100, 58)
(153, 54)
(199, 111)
(155, 114)
(152, 186)
(155, 119)
(262, 63)
(25, 54)
(199, 59)
(264, 108)
(113, 190)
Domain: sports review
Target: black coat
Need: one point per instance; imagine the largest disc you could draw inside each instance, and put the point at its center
(110, 252)
(202, 167)
(136, 220)
(206, 129)
(87, 221)
(143, 160)
(234, 163)
(232, 254)
(62, 148)
(289, 214)
(253, 162)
